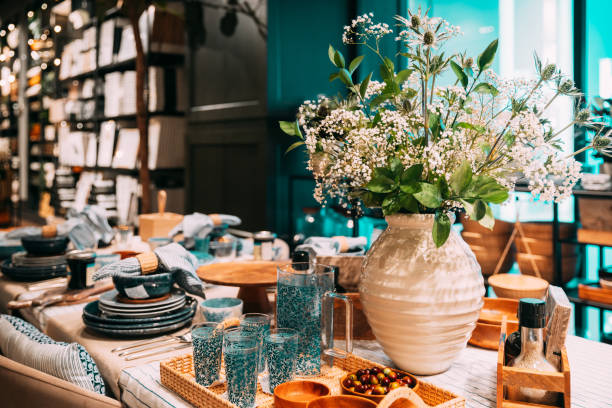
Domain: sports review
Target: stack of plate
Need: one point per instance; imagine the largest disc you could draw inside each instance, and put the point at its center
(32, 261)
(33, 273)
(111, 315)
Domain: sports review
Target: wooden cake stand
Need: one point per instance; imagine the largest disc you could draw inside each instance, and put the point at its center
(251, 277)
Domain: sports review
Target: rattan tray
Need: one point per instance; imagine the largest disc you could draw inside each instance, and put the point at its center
(177, 374)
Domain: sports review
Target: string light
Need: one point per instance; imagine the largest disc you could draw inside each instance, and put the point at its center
(2, 33)
(56, 62)
(30, 14)
(30, 41)
(2, 57)
(43, 37)
(35, 55)
(43, 6)
(57, 28)
(11, 78)
(43, 66)
(11, 53)
(11, 27)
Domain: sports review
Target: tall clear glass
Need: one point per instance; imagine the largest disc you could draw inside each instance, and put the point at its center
(304, 302)
(241, 355)
(257, 324)
(207, 339)
(280, 350)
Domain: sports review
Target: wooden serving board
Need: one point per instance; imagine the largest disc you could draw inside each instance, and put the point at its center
(242, 274)
(595, 294)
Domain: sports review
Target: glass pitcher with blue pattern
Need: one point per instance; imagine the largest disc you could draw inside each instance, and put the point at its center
(305, 302)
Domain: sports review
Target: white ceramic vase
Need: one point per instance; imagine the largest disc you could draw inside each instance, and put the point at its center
(422, 302)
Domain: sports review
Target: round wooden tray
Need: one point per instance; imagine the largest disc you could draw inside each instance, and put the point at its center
(242, 274)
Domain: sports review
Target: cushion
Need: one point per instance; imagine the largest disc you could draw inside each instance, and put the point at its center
(24, 343)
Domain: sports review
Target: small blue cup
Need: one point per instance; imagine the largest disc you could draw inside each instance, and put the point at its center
(219, 309)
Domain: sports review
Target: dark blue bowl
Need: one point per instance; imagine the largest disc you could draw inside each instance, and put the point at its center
(39, 245)
(144, 286)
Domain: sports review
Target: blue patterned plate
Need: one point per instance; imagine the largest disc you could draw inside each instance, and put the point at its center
(142, 332)
(136, 326)
(93, 314)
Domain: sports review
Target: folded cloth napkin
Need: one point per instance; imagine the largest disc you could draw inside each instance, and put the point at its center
(97, 222)
(324, 246)
(199, 225)
(63, 229)
(172, 258)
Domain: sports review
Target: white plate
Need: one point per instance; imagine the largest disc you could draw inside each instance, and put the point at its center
(110, 299)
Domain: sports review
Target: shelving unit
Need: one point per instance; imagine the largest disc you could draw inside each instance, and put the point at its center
(58, 29)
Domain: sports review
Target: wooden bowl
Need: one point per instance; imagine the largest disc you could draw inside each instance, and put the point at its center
(545, 266)
(376, 398)
(518, 286)
(341, 401)
(495, 309)
(486, 335)
(297, 394)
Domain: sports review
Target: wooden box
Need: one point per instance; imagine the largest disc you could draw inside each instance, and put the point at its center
(595, 294)
(557, 382)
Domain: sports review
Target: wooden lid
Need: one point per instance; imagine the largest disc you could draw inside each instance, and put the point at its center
(240, 273)
(518, 282)
(49, 231)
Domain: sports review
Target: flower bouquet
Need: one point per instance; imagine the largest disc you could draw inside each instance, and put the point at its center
(400, 141)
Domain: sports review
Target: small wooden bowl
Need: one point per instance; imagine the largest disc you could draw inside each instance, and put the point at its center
(518, 286)
(486, 335)
(494, 310)
(377, 398)
(297, 394)
(341, 401)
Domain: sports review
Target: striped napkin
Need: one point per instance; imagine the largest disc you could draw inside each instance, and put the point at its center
(172, 258)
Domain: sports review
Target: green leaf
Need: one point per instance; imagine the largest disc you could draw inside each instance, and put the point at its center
(378, 100)
(363, 88)
(402, 76)
(290, 128)
(390, 205)
(383, 181)
(345, 77)
(486, 58)
(488, 221)
(376, 119)
(396, 167)
(461, 178)
(441, 228)
(294, 145)
(409, 181)
(333, 77)
(466, 125)
(443, 187)
(355, 63)
(429, 195)
(469, 71)
(409, 203)
(338, 59)
(497, 196)
(330, 54)
(485, 88)
(461, 76)
(390, 65)
(480, 209)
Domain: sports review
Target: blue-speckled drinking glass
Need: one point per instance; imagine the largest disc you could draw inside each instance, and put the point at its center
(258, 324)
(241, 353)
(280, 350)
(207, 339)
(304, 302)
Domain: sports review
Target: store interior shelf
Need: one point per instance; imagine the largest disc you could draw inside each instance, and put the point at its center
(595, 237)
(572, 294)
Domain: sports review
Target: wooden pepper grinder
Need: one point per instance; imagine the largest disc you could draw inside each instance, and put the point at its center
(158, 224)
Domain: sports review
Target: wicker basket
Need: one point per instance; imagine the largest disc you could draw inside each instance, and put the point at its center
(177, 374)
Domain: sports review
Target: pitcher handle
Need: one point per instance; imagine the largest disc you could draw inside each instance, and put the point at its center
(328, 314)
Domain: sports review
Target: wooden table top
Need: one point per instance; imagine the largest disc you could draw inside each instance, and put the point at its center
(242, 274)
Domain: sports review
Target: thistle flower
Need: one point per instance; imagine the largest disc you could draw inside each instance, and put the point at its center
(603, 143)
(421, 30)
(548, 72)
(565, 86)
(583, 116)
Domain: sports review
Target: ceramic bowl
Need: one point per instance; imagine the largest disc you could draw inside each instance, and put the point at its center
(486, 335)
(341, 401)
(144, 286)
(219, 309)
(39, 245)
(297, 394)
(377, 398)
(8, 247)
